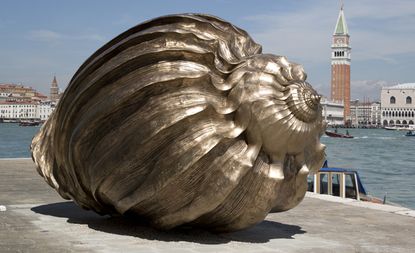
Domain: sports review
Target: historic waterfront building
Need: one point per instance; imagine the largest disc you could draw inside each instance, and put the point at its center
(398, 104)
(18, 92)
(332, 112)
(18, 102)
(340, 65)
(365, 114)
(15, 111)
(44, 110)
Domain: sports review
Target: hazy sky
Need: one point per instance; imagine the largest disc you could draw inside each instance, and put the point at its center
(41, 38)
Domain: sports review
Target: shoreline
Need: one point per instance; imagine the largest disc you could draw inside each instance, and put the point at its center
(34, 218)
(401, 210)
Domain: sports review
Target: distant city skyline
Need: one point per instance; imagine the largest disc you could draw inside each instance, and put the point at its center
(40, 39)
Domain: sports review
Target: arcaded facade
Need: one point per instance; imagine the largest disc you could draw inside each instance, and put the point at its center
(398, 105)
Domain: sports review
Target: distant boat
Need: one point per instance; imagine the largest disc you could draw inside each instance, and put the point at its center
(29, 123)
(410, 134)
(338, 135)
(400, 127)
(10, 121)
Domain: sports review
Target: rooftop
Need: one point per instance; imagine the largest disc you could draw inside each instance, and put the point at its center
(400, 86)
(11, 85)
(24, 102)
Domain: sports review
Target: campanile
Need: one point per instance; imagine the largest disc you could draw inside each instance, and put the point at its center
(340, 65)
(54, 90)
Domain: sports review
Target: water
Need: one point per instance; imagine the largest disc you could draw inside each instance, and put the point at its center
(15, 140)
(385, 159)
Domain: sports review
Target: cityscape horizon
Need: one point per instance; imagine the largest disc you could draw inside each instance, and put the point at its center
(48, 41)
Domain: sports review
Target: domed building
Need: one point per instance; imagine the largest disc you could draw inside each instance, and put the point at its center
(398, 105)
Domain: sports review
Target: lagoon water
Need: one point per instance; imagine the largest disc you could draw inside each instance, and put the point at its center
(15, 140)
(384, 159)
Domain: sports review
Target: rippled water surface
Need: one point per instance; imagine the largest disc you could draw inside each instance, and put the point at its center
(385, 159)
(15, 140)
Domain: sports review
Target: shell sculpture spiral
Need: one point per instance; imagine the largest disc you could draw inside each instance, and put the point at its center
(182, 120)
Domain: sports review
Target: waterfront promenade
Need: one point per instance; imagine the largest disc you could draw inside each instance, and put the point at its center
(33, 218)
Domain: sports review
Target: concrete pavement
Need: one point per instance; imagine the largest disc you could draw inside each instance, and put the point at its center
(35, 219)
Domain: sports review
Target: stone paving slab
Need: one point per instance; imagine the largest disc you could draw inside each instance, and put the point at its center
(36, 219)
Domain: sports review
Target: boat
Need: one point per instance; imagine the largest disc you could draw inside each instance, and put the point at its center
(400, 127)
(340, 182)
(339, 135)
(10, 121)
(410, 133)
(29, 123)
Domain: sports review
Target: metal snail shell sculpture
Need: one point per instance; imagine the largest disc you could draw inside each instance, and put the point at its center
(182, 120)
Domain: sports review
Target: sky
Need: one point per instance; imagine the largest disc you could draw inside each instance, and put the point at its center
(43, 38)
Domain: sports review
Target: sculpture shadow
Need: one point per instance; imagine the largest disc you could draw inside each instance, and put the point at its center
(122, 225)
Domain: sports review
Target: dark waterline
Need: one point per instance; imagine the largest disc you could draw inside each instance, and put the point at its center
(385, 159)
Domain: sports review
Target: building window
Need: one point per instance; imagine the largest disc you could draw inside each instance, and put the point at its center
(411, 122)
(408, 100)
(398, 122)
(391, 122)
(392, 100)
(404, 122)
(385, 122)
(383, 114)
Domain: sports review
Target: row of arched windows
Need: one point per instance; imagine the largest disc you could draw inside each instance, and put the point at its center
(339, 53)
(392, 100)
(398, 114)
(398, 122)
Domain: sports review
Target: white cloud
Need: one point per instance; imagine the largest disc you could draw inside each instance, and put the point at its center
(44, 35)
(360, 89)
(379, 30)
(380, 9)
(369, 89)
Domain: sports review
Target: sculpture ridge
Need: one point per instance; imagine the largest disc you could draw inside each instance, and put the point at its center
(182, 120)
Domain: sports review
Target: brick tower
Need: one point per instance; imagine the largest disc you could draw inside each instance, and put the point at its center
(54, 90)
(340, 65)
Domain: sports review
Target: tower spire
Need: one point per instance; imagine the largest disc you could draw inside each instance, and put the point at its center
(341, 25)
(54, 82)
(54, 89)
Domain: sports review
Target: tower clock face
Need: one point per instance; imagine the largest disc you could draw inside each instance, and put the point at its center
(339, 41)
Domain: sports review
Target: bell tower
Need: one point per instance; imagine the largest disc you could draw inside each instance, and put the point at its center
(54, 90)
(340, 65)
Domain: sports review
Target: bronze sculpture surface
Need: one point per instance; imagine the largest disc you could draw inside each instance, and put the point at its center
(182, 120)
